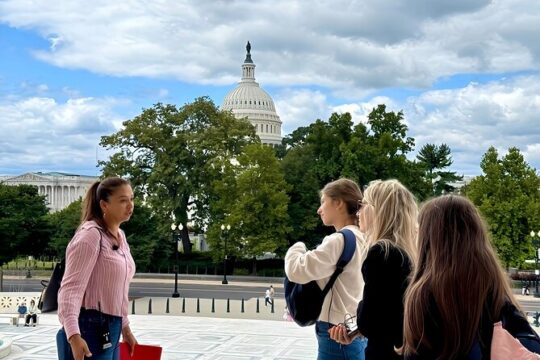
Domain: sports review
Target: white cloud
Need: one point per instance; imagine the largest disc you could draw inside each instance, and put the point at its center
(502, 113)
(300, 107)
(360, 111)
(471, 119)
(41, 134)
(349, 47)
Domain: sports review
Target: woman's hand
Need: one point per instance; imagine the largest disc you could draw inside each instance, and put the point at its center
(79, 347)
(338, 333)
(129, 338)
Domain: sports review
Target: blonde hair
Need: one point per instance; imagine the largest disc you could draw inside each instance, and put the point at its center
(347, 191)
(395, 214)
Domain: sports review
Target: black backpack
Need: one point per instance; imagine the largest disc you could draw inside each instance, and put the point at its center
(48, 301)
(305, 301)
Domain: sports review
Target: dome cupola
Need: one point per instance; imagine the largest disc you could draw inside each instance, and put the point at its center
(249, 100)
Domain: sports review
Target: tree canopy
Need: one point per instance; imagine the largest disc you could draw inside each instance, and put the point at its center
(433, 159)
(23, 226)
(172, 155)
(507, 193)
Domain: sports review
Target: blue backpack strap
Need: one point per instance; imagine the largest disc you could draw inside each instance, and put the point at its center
(349, 248)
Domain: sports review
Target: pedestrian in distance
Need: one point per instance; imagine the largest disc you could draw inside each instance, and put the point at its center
(338, 208)
(272, 294)
(388, 216)
(93, 297)
(267, 298)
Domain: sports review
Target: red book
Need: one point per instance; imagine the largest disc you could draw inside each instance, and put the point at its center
(142, 352)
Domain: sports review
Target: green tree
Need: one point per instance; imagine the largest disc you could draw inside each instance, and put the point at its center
(325, 151)
(434, 159)
(149, 248)
(254, 203)
(506, 194)
(63, 225)
(172, 155)
(23, 226)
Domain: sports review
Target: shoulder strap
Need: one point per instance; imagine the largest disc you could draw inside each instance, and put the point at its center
(348, 252)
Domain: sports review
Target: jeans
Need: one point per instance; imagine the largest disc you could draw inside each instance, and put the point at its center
(91, 323)
(331, 350)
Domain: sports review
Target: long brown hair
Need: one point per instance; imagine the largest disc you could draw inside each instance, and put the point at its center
(347, 191)
(100, 190)
(458, 270)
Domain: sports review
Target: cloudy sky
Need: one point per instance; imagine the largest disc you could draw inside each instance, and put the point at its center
(465, 72)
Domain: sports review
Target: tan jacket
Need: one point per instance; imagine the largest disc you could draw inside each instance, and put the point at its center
(302, 266)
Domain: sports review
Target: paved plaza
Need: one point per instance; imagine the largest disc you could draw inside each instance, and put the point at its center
(184, 337)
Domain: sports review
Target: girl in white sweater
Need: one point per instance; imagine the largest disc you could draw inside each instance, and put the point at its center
(339, 203)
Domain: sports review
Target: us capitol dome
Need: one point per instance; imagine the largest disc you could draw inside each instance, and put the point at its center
(250, 101)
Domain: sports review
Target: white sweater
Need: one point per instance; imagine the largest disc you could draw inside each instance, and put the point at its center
(302, 266)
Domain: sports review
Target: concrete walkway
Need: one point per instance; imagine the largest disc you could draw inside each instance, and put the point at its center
(184, 337)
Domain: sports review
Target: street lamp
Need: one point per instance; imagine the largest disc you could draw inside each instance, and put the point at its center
(223, 227)
(536, 258)
(175, 242)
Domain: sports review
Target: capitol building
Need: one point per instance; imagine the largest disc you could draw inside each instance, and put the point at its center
(250, 101)
(60, 189)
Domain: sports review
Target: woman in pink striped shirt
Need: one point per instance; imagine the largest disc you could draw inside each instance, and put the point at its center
(93, 298)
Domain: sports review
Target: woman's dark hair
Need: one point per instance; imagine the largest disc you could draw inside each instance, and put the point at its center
(459, 271)
(100, 190)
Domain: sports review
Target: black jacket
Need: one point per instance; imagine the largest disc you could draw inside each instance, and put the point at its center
(512, 319)
(380, 313)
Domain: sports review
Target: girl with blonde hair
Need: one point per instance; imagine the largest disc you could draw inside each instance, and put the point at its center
(388, 217)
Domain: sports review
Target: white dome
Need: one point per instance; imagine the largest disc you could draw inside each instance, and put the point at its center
(249, 101)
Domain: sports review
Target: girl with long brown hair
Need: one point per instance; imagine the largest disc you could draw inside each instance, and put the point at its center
(459, 289)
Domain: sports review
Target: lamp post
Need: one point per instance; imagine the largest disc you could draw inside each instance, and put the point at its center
(176, 294)
(536, 258)
(223, 227)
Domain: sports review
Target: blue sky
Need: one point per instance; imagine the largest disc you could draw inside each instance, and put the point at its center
(465, 72)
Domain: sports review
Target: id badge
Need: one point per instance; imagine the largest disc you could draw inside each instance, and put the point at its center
(105, 336)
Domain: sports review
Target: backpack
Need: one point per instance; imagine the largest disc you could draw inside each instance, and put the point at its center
(305, 301)
(513, 338)
(48, 301)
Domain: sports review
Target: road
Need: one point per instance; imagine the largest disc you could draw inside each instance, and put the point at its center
(199, 289)
(161, 289)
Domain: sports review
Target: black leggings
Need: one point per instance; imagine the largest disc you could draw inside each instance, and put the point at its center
(33, 317)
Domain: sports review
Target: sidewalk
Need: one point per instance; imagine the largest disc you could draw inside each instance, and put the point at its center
(159, 307)
(184, 338)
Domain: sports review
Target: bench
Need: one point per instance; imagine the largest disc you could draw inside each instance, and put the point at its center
(10, 301)
(13, 319)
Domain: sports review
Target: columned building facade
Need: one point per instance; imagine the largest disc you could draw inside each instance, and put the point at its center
(249, 100)
(60, 189)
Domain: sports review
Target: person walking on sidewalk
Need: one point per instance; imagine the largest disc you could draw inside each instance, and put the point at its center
(267, 298)
(339, 204)
(272, 294)
(93, 297)
(388, 217)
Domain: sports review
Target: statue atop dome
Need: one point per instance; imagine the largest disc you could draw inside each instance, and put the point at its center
(248, 54)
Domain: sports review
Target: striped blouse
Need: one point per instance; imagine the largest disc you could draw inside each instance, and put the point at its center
(94, 279)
